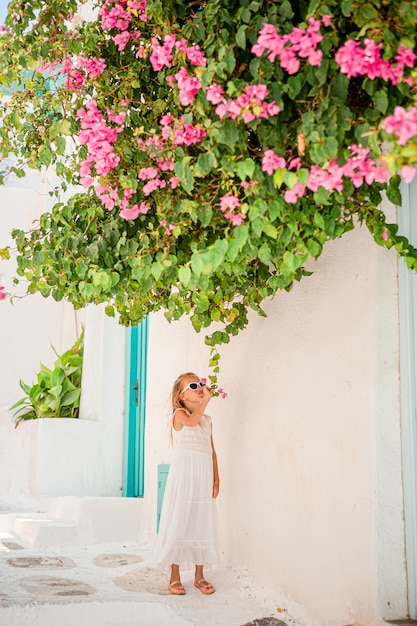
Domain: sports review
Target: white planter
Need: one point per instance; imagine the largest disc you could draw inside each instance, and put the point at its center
(51, 457)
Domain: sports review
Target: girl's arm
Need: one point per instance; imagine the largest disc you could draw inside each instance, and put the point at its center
(216, 479)
(182, 418)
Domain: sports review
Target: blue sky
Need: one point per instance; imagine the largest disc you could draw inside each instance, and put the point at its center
(3, 10)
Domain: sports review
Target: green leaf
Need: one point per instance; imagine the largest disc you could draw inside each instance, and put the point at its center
(197, 264)
(394, 194)
(319, 220)
(241, 36)
(245, 169)
(45, 156)
(184, 173)
(346, 7)
(240, 234)
(285, 9)
(156, 269)
(270, 230)
(206, 162)
(264, 253)
(184, 274)
(330, 147)
(381, 101)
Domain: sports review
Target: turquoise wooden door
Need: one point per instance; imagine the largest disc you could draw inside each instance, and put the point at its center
(135, 414)
(163, 470)
(407, 220)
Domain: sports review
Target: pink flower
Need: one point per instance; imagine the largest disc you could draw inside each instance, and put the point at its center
(222, 393)
(326, 19)
(166, 120)
(271, 162)
(356, 59)
(301, 43)
(174, 182)
(235, 218)
(162, 55)
(3, 293)
(249, 105)
(146, 173)
(151, 185)
(92, 66)
(292, 195)
(408, 173)
(195, 56)
(118, 118)
(186, 134)
(247, 184)
(121, 40)
(384, 235)
(229, 201)
(215, 94)
(188, 86)
(169, 227)
(130, 214)
(402, 123)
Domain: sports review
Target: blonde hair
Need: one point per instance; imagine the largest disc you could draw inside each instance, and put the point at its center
(177, 387)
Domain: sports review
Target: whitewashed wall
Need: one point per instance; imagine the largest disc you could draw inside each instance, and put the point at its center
(31, 324)
(309, 439)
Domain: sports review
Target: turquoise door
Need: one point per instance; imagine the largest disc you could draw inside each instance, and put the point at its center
(407, 220)
(163, 470)
(135, 413)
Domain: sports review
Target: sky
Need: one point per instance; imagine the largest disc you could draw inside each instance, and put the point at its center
(3, 10)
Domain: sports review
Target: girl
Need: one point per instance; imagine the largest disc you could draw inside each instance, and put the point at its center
(187, 531)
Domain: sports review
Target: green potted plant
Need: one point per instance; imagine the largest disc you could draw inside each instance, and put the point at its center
(57, 391)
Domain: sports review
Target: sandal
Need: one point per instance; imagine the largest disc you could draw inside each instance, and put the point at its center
(176, 588)
(204, 586)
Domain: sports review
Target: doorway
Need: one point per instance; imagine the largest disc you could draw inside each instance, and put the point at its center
(135, 412)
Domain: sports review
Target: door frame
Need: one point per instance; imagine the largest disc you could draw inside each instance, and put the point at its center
(407, 221)
(135, 410)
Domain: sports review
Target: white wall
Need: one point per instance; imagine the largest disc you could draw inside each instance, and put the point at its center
(30, 325)
(56, 457)
(309, 439)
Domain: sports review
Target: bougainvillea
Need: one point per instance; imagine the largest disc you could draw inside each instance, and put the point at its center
(214, 147)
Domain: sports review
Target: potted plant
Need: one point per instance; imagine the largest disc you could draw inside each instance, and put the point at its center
(57, 391)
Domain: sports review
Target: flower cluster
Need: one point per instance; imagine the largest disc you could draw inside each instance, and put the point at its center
(249, 105)
(162, 55)
(180, 132)
(357, 59)
(402, 123)
(271, 162)
(77, 70)
(301, 43)
(359, 168)
(99, 139)
(228, 204)
(218, 390)
(133, 212)
(188, 86)
(118, 15)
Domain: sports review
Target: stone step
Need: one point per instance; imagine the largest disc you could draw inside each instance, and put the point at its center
(73, 520)
(78, 521)
(42, 532)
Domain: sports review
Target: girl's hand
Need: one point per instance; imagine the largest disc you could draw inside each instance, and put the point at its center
(207, 393)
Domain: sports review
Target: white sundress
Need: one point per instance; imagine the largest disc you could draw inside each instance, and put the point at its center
(188, 525)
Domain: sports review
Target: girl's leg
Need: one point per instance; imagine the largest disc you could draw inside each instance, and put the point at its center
(200, 582)
(175, 585)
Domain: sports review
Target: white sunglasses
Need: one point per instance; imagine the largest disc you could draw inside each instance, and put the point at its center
(193, 386)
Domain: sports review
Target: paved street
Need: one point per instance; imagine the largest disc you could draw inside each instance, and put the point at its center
(112, 585)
